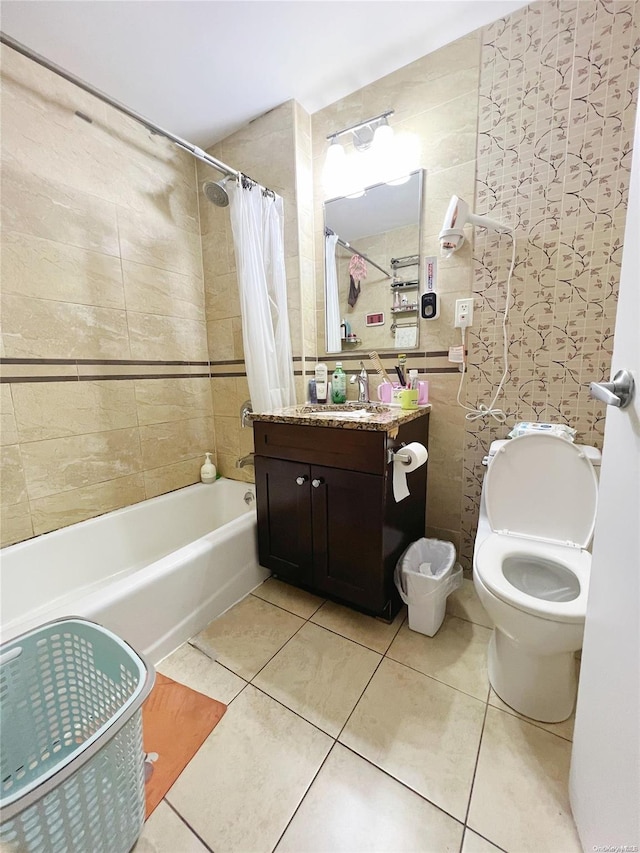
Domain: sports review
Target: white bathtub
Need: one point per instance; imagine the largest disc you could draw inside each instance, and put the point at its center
(155, 573)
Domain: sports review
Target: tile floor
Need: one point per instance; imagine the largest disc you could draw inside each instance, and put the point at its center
(347, 734)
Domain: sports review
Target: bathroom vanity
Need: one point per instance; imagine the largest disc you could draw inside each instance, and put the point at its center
(327, 518)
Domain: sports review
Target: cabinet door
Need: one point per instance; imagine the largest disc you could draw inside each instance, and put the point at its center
(347, 517)
(284, 518)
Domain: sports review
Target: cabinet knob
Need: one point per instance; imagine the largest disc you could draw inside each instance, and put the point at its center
(301, 480)
(317, 482)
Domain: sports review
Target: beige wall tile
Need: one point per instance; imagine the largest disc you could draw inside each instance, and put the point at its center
(15, 523)
(155, 240)
(150, 290)
(63, 464)
(61, 510)
(166, 338)
(220, 340)
(8, 430)
(158, 481)
(13, 488)
(165, 443)
(42, 328)
(44, 269)
(227, 468)
(55, 409)
(225, 396)
(228, 435)
(162, 400)
(44, 208)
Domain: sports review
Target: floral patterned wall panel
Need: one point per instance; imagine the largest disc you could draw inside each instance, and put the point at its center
(558, 92)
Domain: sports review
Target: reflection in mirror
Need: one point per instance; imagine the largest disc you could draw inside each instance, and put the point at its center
(372, 267)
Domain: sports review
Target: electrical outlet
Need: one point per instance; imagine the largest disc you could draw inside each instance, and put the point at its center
(464, 313)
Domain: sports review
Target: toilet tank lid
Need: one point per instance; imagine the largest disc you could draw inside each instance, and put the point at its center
(542, 487)
(592, 453)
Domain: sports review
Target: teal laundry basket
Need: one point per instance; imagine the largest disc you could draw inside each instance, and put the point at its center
(72, 760)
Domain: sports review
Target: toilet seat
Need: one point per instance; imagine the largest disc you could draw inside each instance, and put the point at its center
(541, 498)
(497, 548)
(544, 488)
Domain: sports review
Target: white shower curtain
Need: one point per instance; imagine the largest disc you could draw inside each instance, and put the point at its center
(258, 237)
(332, 304)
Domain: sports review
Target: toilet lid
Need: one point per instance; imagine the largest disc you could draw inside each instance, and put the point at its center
(542, 487)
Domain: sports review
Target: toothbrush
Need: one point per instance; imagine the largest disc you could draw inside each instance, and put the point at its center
(379, 368)
(401, 376)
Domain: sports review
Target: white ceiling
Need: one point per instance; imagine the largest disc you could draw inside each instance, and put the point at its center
(203, 68)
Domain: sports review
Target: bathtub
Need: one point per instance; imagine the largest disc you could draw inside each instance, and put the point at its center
(155, 573)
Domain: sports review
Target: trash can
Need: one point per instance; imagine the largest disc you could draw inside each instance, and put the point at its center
(426, 574)
(71, 747)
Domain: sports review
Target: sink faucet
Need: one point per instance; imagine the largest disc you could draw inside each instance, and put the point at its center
(245, 460)
(362, 379)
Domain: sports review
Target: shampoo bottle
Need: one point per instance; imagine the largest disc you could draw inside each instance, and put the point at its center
(208, 470)
(339, 384)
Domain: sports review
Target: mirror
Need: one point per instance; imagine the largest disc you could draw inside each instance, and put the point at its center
(374, 304)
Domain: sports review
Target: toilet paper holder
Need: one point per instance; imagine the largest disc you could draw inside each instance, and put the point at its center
(391, 453)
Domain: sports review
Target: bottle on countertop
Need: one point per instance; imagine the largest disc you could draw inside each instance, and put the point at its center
(321, 374)
(339, 384)
(208, 470)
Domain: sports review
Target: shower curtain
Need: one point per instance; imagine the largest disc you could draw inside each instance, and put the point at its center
(332, 307)
(258, 235)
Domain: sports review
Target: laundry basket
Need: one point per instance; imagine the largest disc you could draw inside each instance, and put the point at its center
(71, 695)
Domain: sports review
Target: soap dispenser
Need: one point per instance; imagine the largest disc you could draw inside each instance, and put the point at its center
(208, 470)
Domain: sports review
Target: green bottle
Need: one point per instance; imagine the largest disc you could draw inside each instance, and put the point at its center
(339, 385)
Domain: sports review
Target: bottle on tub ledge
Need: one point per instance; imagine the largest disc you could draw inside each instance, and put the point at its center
(339, 384)
(208, 470)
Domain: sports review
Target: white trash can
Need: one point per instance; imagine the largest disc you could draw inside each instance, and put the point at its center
(426, 574)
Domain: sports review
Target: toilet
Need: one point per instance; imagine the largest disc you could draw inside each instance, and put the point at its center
(531, 568)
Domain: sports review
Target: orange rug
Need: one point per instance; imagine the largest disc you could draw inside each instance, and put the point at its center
(175, 723)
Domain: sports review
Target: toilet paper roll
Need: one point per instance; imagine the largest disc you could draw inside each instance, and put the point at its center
(407, 459)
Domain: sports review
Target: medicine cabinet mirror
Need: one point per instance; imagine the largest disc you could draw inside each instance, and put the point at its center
(382, 226)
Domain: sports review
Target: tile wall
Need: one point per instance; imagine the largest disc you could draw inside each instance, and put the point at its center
(558, 91)
(101, 291)
(440, 107)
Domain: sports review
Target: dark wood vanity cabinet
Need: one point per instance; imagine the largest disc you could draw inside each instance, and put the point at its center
(327, 519)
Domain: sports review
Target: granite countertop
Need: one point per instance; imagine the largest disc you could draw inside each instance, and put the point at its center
(379, 417)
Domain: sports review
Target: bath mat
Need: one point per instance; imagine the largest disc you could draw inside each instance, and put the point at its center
(176, 721)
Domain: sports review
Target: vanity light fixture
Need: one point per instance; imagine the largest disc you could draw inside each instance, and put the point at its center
(372, 140)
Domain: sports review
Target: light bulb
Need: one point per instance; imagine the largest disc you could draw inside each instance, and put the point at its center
(334, 170)
(383, 137)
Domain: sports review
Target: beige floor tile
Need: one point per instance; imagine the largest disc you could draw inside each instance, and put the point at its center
(297, 601)
(464, 602)
(320, 676)
(420, 731)
(370, 632)
(520, 795)
(193, 668)
(246, 781)
(353, 807)
(244, 638)
(164, 832)
(474, 843)
(563, 729)
(457, 655)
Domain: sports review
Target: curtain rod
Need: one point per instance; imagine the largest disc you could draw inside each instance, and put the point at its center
(341, 242)
(194, 150)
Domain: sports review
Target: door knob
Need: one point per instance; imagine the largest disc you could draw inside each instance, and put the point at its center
(618, 392)
(301, 480)
(317, 482)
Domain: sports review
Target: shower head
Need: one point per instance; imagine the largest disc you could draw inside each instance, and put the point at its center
(457, 215)
(216, 193)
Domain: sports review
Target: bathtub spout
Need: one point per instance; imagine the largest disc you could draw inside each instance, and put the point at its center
(245, 460)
